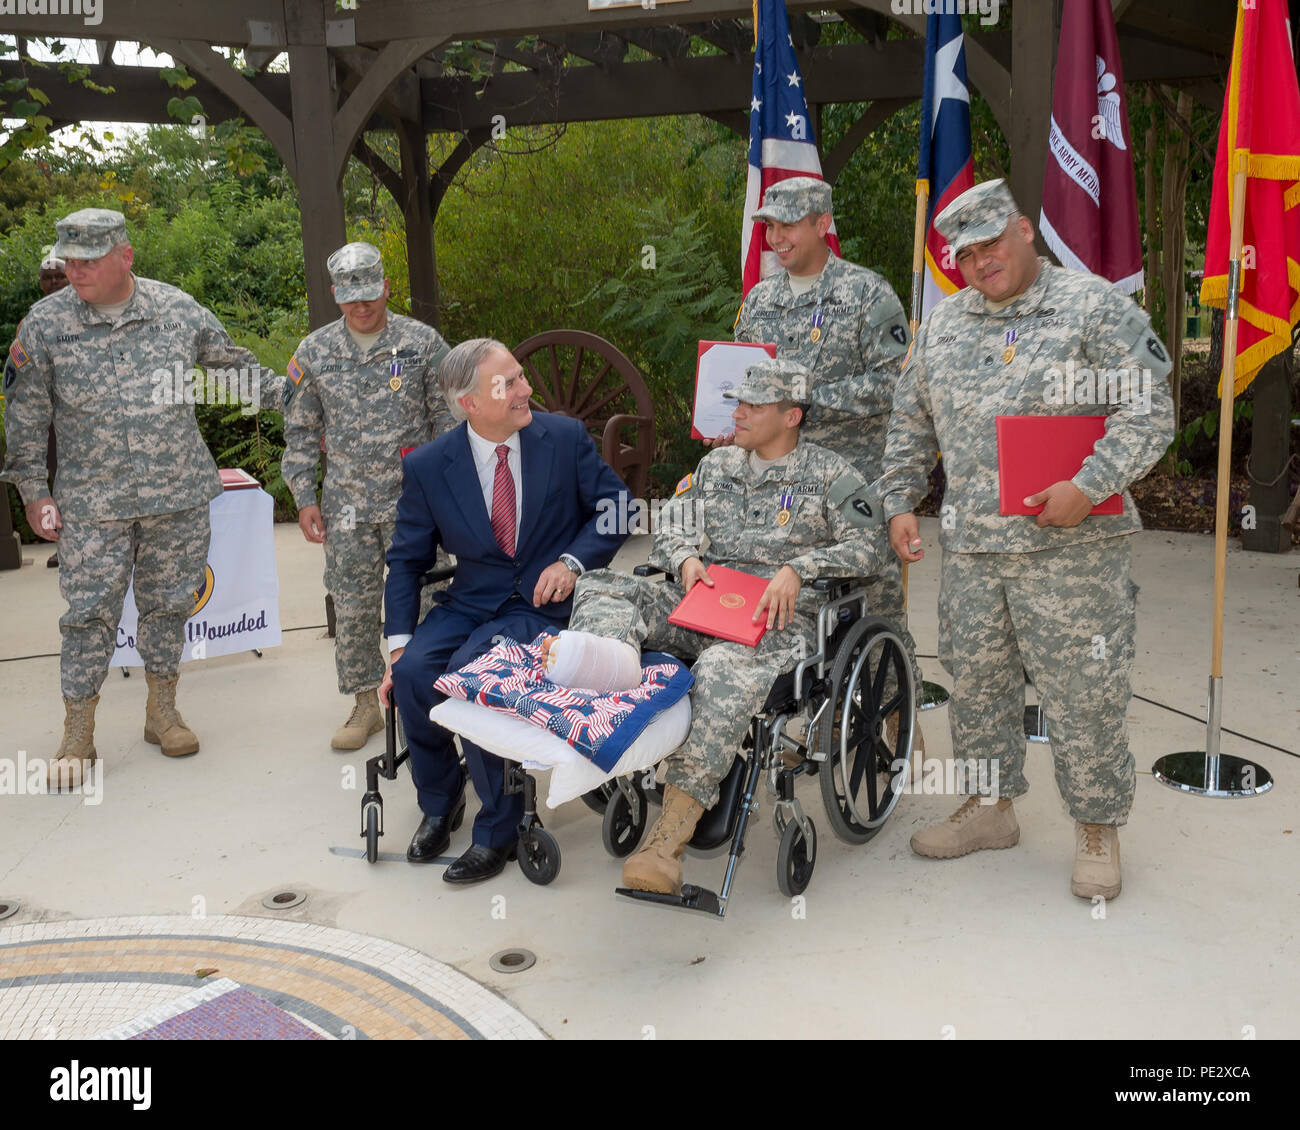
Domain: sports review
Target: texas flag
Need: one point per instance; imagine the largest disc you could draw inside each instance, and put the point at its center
(781, 141)
(1089, 217)
(945, 169)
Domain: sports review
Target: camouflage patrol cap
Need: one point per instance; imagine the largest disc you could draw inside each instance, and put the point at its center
(772, 380)
(90, 233)
(790, 200)
(357, 272)
(980, 213)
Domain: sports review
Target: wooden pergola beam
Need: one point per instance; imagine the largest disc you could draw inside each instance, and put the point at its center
(269, 118)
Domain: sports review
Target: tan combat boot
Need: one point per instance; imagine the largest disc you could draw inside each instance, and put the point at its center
(163, 724)
(658, 865)
(77, 752)
(366, 719)
(972, 827)
(1096, 861)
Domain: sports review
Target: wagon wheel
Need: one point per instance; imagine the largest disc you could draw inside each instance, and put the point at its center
(578, 374)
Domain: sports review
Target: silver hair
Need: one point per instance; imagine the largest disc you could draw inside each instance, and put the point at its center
(458, 373)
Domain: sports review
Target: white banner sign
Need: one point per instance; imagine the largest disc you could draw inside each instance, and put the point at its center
(238, 608)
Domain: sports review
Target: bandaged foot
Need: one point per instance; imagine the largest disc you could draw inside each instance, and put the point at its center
(588, 662)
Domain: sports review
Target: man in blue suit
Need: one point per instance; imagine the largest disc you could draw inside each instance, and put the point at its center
(519, 499)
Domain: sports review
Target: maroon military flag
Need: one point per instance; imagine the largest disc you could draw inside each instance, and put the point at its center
(1089, 217)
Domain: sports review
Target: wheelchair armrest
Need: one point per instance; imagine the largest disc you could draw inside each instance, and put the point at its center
(834, 586)
(433, 576)
(648, 570)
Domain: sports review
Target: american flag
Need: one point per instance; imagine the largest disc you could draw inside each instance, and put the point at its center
(781, 141)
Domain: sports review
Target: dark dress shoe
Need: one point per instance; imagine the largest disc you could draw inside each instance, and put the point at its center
(479, 863)
(433, 836)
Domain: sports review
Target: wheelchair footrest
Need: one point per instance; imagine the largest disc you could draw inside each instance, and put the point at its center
(691, 898)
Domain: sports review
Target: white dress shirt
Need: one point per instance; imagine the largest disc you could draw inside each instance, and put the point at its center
(484, 452)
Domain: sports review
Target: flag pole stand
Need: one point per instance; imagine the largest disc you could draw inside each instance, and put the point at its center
(1208, 772)
(930, 696)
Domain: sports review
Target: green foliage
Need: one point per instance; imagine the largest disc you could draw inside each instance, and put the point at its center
(666, 305)
(24, 102)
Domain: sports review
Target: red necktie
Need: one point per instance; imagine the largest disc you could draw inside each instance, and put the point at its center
(503, 503)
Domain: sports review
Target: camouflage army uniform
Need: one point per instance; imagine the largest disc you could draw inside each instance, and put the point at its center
(862, 339)
(134, 478)
(333, 389)
(737, 509)
(1058, 600)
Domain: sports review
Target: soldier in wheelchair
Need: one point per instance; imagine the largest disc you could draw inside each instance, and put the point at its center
(799, 514)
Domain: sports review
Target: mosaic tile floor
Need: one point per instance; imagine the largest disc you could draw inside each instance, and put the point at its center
(178, 978)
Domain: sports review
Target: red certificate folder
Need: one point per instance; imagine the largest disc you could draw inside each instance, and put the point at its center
(233, 478)
(706, 393)
(727, 609)
(1036, 451)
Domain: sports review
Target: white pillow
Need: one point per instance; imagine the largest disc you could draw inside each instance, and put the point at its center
(518, 740)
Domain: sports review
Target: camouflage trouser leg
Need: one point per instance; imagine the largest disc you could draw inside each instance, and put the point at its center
(731, 680)
(168, 553)
(354, 575)
(1070, 614)
(885, 598)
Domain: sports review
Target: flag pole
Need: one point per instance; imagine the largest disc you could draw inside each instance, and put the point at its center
(1210, 773)
(930, 695)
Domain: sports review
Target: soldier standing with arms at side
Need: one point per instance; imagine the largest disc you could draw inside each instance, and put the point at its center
(846, 326)
(1053, 593)
(367, 383)
(134, 478)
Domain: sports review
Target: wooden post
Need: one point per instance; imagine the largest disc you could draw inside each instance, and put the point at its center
(1033, 46)
(417, 209)
(314, 96)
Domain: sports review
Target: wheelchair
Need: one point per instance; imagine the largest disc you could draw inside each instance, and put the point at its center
(857, 743)
(538, 850)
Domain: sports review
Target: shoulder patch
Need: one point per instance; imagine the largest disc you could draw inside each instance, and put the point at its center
(294, 371)
(898, 334)
(11, 375)
(18, 355)
(683, 486)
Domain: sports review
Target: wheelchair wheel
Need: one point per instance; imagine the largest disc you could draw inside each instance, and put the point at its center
(795, 859)
(372, 833)
(598, 798)
(861, 780)
(624, 827)
(539, 856)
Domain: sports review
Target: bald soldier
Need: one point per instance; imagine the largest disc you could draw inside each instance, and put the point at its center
(846, 326)
(773, 505)
(367, 383)
(134, 478)
(1051, 592)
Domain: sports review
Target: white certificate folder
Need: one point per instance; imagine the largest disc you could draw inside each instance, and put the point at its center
(721, 366)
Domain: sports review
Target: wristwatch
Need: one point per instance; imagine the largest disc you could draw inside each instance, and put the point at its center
(572, 562)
